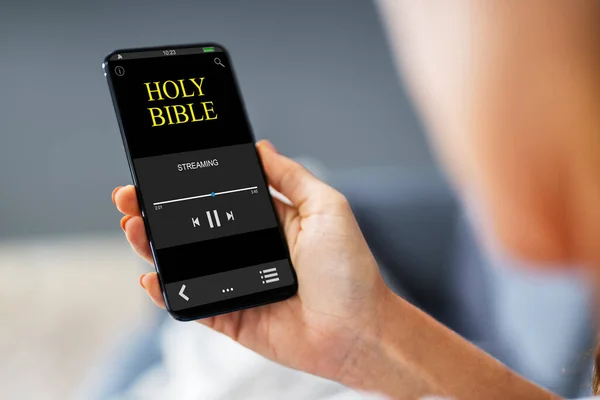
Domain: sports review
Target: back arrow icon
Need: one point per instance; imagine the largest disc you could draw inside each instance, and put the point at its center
(183, 295)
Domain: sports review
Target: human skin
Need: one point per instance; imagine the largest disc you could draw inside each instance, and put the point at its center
(509, 92)
(344, 324)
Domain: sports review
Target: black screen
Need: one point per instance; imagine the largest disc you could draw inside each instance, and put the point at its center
(215, 237)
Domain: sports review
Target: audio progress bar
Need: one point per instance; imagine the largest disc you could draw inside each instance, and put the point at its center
(213, 194)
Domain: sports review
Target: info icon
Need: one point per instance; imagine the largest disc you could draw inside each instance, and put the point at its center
(120, 71)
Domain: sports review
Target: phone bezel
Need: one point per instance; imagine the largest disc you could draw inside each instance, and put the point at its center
(224, 306)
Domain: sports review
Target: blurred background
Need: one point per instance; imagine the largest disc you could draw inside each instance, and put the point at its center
(319, 82)
(317, 78)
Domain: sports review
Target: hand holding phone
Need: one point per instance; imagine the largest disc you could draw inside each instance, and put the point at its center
(340, 287)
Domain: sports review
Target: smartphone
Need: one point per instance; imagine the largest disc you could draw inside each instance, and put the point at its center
(214, 235)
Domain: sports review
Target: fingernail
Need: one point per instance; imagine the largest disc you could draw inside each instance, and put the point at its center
(142, 280)
(114, 193)
(124, 222)
(269, 145)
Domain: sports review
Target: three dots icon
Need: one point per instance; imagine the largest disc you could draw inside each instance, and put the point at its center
(227, 290)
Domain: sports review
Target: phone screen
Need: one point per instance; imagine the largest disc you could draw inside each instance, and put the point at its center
(213, 232)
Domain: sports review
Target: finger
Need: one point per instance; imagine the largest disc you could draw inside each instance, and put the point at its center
(150, 283)
(136, 236)
(290, 178)
(126, 200)
(115, 190)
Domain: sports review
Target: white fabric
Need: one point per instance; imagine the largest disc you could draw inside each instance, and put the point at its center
(200, 363)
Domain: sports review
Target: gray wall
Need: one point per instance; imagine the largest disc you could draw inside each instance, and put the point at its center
(316, 76)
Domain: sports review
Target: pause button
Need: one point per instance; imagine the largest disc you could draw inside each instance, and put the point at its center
(210, 220)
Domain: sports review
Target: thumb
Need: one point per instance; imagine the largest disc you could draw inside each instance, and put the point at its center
(290, 178)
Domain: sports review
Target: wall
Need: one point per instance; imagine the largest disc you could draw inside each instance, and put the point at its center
(316, 76)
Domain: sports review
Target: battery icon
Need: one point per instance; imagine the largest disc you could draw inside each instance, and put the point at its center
(208, 49)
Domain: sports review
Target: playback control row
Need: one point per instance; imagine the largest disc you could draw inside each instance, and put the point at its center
(213, 219)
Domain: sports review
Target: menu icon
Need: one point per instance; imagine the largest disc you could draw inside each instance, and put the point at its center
(269, 275)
